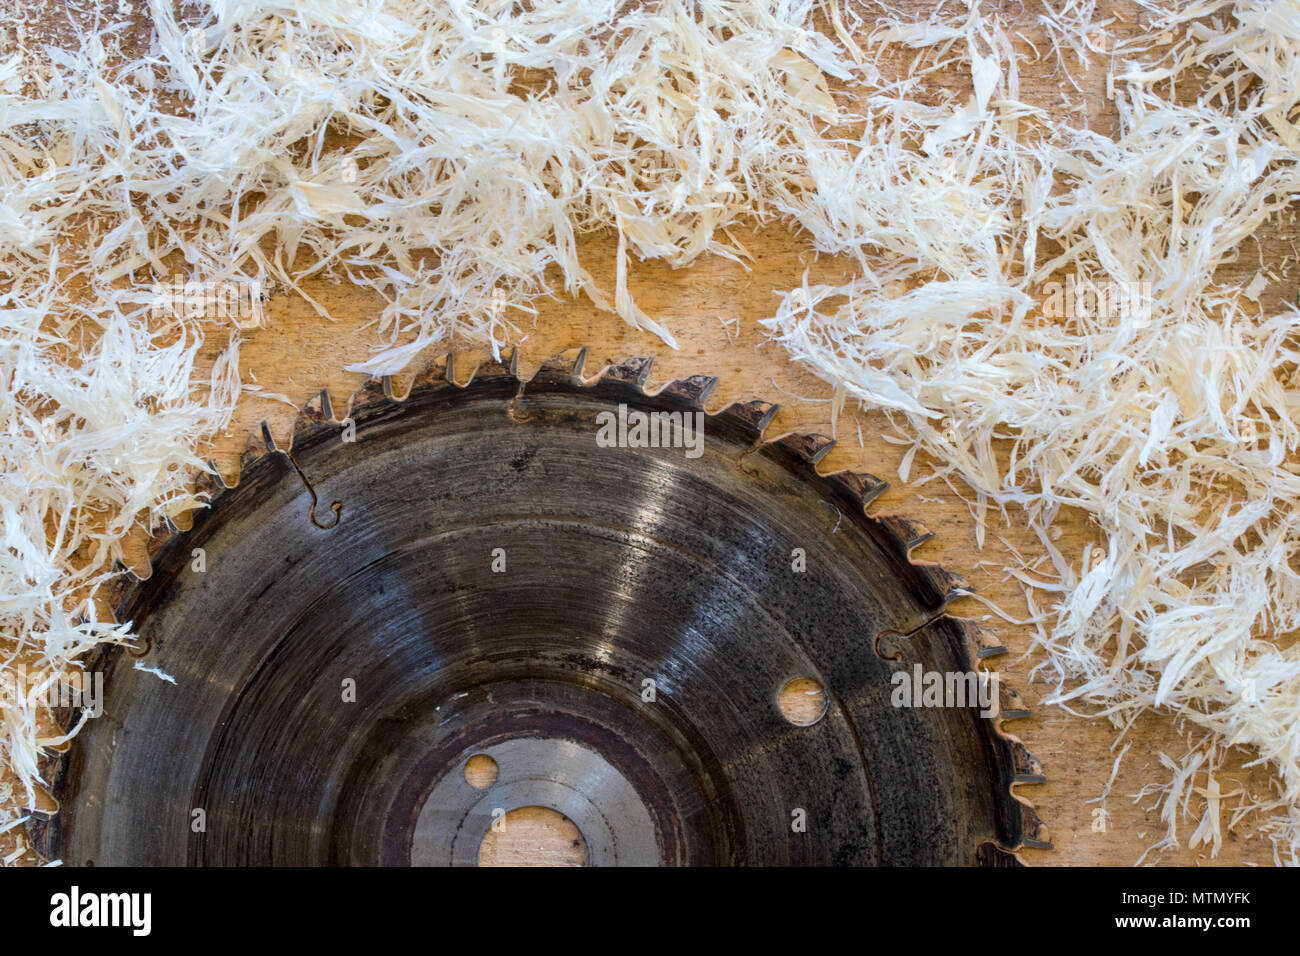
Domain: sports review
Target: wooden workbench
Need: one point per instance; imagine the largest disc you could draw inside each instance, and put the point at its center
(713, 308)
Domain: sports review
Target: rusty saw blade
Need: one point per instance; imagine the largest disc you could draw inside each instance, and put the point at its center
(512, 569)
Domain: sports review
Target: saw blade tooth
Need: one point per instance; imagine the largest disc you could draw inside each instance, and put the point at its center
(322, 401)
(861, 485)
(990, 854)
(981, 641)
(1027, 767)
(209, 482)
(254, 449)
(43, 803)
(159, 535)
(755, 416)
(811, 447)
(432, 375)
(912, 533)
(634, 371)
(694, 389)
(1011, 706)
(506, 365)
(951, 583)
(266, 437)
(371, 391)
(563, 367)
(316, 410)
(1037, 834)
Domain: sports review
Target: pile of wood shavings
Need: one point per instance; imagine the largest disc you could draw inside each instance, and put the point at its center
(449, 156)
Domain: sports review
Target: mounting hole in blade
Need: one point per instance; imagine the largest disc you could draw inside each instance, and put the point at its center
(481, 771)
(802, 701)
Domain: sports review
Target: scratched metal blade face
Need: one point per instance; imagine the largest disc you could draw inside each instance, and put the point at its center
(613, 625)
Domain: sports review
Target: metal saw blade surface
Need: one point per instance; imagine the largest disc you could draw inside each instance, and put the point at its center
(613, 625)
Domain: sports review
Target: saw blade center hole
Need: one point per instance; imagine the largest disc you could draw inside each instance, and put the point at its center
(533, 836)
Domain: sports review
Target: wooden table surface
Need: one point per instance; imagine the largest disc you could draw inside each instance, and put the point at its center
(713, 308)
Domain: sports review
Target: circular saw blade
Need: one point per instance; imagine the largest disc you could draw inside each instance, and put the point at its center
(612, 625)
